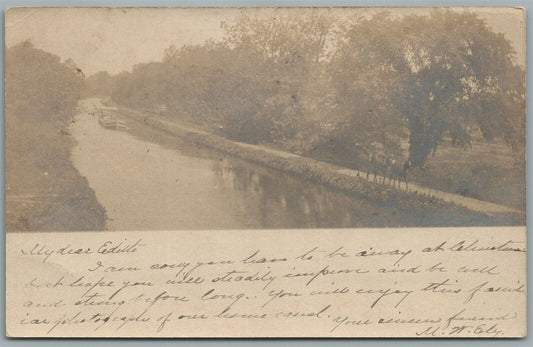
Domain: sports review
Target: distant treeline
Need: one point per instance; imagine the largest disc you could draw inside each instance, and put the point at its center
(43, 189)
(355, 88)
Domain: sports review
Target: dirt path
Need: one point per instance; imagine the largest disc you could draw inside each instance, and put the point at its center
(470, 203)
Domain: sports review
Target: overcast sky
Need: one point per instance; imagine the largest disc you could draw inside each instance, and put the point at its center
(116, 39)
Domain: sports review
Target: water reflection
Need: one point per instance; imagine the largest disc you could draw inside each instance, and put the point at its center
(278, 200)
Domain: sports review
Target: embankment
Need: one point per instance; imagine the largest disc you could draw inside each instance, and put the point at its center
(44, 191)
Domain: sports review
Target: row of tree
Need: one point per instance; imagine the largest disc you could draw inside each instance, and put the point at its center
(357, 86)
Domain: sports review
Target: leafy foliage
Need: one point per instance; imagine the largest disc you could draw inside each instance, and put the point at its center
(364, 84)
(38, 85)
(444, 73)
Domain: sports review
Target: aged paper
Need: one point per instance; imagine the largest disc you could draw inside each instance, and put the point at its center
(460, 282)
(265, 172)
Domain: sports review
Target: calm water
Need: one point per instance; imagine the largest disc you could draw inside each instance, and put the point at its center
(147, 180)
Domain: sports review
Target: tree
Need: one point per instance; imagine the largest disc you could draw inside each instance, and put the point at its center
(38, 86)
(441, 73)
(288, 54)
(368, 123)
(100, 84)
(144, 87)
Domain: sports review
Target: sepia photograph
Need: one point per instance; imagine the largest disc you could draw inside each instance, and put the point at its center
(264, 118)
(331, 172)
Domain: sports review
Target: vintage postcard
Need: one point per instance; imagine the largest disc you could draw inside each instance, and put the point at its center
(265, 172)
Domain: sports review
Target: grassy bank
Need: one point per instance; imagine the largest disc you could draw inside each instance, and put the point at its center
(44, 191)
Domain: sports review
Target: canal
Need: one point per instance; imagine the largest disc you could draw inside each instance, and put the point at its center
(150, 180)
